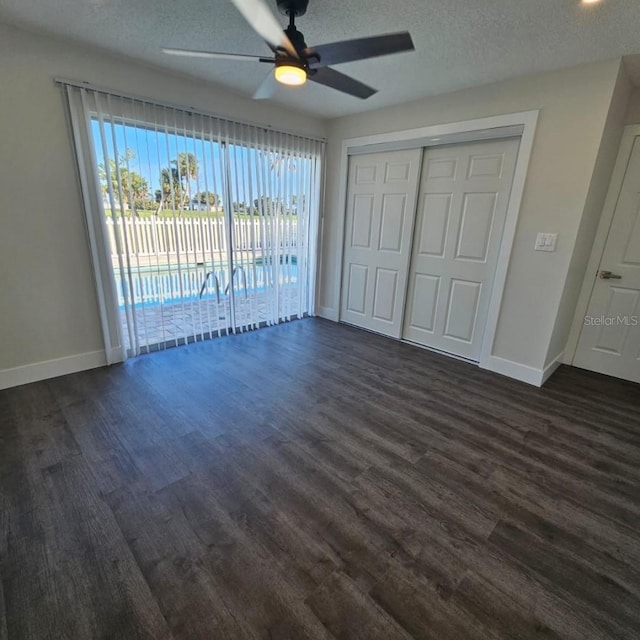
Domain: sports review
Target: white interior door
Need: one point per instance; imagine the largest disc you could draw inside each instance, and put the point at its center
(464, 194)
(610, 337)
(381, 202)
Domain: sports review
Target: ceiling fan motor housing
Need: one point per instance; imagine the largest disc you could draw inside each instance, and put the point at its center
(296, 8)
(296, 37)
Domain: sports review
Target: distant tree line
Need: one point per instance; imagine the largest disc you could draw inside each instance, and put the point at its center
(176, 189)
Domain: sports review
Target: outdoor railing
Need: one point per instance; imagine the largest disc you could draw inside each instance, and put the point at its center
(191, 283)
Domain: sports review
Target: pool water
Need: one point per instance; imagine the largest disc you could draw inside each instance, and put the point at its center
(164, 285)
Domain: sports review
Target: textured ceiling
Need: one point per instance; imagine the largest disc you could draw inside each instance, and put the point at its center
(459, 43)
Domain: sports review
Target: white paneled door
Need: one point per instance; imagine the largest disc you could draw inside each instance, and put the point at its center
(462, 206)
(381, 201)
(610, 337)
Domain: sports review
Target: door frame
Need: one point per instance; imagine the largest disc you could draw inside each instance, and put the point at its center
(629, 135)
(522, 124)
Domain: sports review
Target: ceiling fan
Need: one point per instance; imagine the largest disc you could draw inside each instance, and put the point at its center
(294, 62)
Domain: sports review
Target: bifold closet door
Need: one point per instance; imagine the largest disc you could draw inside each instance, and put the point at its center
(381, 202)
(464, 195)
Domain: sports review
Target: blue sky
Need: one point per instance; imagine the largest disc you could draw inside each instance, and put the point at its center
(154, 151)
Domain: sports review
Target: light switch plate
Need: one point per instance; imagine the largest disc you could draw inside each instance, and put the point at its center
(546, 242)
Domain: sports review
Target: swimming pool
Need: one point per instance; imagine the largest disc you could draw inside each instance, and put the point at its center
(166, 285)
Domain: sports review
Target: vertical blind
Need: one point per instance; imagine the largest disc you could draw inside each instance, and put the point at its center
(198, 225)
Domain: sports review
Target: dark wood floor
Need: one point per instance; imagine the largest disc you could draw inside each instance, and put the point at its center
(315, 481)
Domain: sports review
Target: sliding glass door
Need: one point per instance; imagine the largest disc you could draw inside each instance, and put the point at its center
(207, 226)
(270, 191)
(167, 233)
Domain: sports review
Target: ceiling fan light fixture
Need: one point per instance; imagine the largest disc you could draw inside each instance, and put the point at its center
(290, 74)
(294, 61)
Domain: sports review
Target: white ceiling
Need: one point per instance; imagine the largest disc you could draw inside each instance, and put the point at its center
(459, 43)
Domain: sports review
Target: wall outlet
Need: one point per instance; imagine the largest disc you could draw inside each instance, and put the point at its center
(546, 242)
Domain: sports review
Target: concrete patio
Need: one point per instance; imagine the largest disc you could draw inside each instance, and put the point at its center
(173, 323)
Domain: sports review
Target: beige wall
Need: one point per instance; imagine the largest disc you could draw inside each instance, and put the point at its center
(633, 112)
(605, 161)
(574, 105)
(47, 294)
(46, 289)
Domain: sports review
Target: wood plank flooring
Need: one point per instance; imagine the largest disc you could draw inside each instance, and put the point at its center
(315, 481)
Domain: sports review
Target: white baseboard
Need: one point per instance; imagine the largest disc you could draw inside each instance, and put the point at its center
(329, 313)
(552, 366)
(515, 370)
(522, 372)
(51, 368)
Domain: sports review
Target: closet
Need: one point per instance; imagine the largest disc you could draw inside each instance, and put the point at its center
(422, 235)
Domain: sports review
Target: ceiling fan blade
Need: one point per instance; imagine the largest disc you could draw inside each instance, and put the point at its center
(260, 17)
(267, 88)
(218, 55)
(362, 48)
(336, 80)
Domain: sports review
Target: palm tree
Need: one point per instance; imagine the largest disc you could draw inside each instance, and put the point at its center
(171, 193)
(134, 186)
(187, 166)
(280, 161)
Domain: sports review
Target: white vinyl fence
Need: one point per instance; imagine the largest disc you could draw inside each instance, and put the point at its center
(200, 236)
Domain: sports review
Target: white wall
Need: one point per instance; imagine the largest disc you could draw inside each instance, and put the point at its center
(47, 294)
(574, 105)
